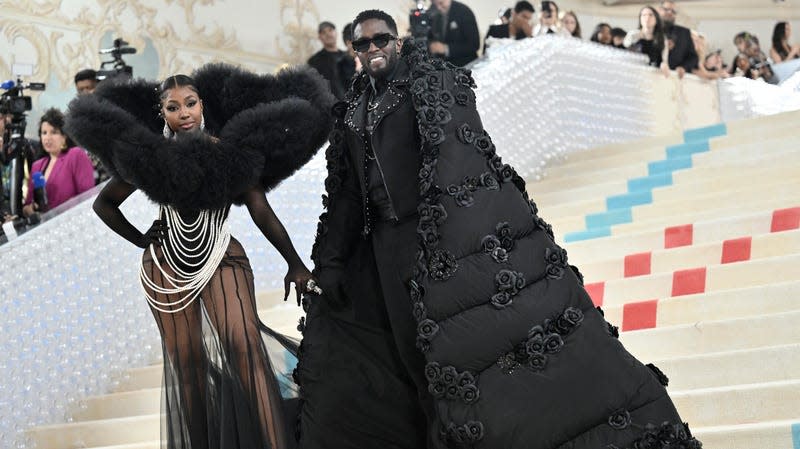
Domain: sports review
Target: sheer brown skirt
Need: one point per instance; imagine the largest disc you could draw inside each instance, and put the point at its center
(220, 389)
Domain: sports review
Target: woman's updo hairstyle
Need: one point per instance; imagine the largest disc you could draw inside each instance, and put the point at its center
(173, 82)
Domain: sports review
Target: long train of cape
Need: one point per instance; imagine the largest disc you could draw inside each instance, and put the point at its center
(517, 355)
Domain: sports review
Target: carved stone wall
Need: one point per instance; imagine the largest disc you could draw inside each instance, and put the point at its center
(173, 36)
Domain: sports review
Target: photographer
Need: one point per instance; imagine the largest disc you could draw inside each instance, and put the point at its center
(454, 32)
(16, 154)
(5, 206)
(86, 81)
(66, 168)
(758, 60)
(518, 27)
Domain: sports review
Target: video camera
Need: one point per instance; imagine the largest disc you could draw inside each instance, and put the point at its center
(16, 150)
(420, 22)
(118, 67)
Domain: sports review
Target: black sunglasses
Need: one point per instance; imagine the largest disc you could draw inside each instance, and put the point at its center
(380, 41)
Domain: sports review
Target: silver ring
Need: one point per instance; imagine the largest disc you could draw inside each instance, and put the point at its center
(312, 287)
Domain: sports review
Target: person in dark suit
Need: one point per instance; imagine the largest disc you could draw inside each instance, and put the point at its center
(438, 324)
(682, 54)
(348, 65)
(518, 26)
(328, 61)
(454, 32)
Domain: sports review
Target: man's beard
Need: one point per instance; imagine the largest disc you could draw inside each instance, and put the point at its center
(391, 63)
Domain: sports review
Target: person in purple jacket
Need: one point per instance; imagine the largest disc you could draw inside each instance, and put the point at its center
(66, 167)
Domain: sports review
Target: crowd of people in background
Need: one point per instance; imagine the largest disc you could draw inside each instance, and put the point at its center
(454, 35)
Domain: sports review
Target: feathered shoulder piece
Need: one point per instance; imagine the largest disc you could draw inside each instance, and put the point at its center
(265, 128)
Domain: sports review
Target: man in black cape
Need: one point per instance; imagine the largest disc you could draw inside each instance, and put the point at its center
(450, 318)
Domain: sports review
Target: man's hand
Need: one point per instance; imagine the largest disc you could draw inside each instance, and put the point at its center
(438, 48)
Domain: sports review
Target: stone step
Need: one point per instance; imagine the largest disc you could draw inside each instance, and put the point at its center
(630, 147)
(648, 153)
(699, 176)
(739, 404)
(670, 260)
(697, 280)
(705, 337)
(679, 217)
(676, 233)
(105, 432)
(782, 145)
(741, 129)
(664, 196)
(760, 435)
(144, 445)
(150, 376)
(120, 405)
(718, 305)
(700, 208)
(748, 366)
(735, 133)
(788, 190)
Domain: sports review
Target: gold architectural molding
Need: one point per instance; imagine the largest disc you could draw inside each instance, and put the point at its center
(299, 32)
(64, 42)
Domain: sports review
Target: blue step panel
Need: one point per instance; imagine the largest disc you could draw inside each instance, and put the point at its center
(796, 435)
(640, 190)
(687, 149)
(595, 233)
(669, 165)
(609, 218)
(648, 183)
(628, 200)
(705, 133)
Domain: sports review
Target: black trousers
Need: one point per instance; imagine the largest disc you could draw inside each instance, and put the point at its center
(362, 377)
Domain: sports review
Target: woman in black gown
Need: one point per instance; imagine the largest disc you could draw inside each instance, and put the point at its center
(220, 389)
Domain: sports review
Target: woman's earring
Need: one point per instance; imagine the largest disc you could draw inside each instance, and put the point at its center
(202, 122)
(167, 131)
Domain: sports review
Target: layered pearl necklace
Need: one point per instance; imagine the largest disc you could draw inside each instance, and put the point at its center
(206, 248)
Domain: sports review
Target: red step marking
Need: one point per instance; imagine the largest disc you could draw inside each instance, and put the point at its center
(639, 315)
(637, 264)
(689, 282)
(785, 219)
(596, 292)
(678, 236)
(736, 250)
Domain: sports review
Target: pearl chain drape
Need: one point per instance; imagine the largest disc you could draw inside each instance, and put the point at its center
(206, 249)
